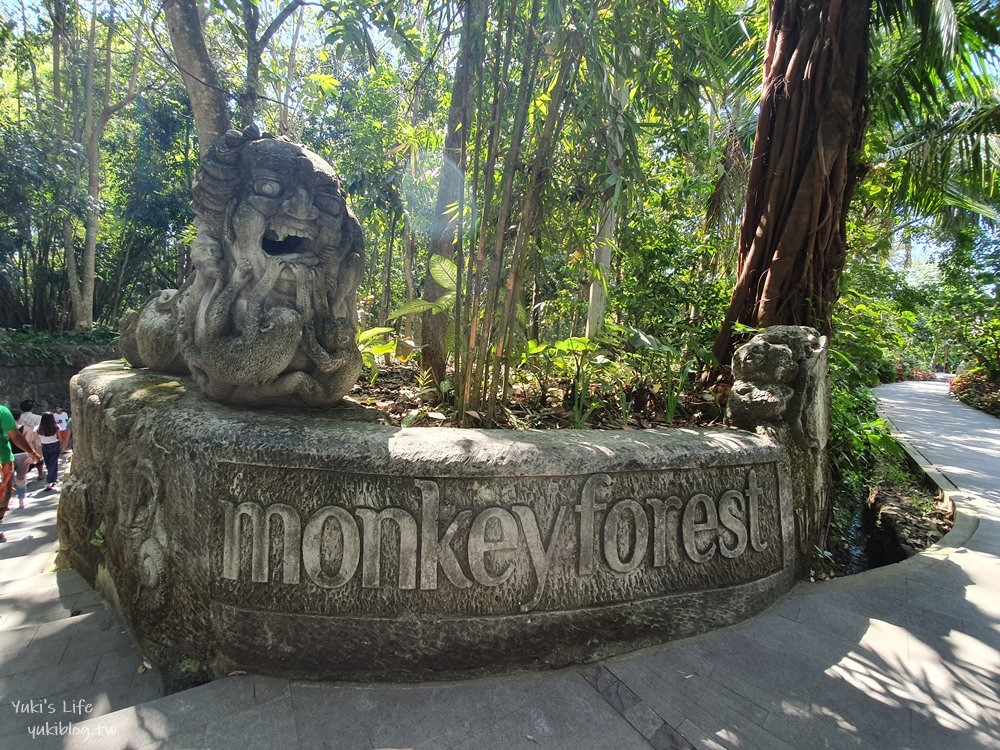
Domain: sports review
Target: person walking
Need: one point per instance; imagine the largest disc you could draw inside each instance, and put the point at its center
(29, 421)
(48, 434)
(10, 436)
(62, 422)
(21, 477)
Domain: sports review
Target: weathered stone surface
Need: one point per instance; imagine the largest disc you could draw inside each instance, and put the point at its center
(782, 390)
(42, 374)
(149, 336)
(319, 544)
(753, 403)
(269, 314)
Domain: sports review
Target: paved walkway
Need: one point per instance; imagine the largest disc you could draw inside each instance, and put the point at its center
(906, 656)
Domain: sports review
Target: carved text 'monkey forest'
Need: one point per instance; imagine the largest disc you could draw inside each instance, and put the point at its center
(658, 530)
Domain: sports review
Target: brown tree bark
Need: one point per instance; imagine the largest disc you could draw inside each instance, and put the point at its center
(804, 168)
(475, 359)
(201, 80)
(608, 219)
(529, 210)
(444, 231)
(386, 279)
(95, 124)
(479, 340)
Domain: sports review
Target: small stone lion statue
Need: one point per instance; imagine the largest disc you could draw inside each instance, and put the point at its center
(781, 376)
(268, 316)
(781, 389)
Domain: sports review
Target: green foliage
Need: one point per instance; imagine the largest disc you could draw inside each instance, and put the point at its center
(445, 272)
(861, 450)
(42, 346)
(869, 336)
(967, 297)
(145, 180)
(100, 539)
(977, 389)
(32, 337)
(372, 344)
(440, 394)
(622, 376)
(657, 131)
(664, 370)
(578, 358)
(352, 27)
(873, 326)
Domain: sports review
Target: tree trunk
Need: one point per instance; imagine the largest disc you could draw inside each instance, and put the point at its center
(201, 81)
(604, 237)
(529, 210)
(804, 169)
(479, 342)
(444, 232)
(386, 280)
(57, 14)
(82, 286)
(477, 260)
(251, 81)
(409, 253)
(285, 112)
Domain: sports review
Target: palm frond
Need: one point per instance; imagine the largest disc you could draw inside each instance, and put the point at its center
(947, 163)
(929, 54)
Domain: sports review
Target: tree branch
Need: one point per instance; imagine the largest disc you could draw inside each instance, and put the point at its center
(279, 19)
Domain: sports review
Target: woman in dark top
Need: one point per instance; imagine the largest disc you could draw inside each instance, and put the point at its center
(48, 432)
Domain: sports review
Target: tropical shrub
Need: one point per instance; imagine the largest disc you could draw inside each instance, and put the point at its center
(978, 390)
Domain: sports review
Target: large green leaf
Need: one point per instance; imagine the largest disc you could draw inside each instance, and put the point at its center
(574, 344)
(372, 333)
(445, 302)
(444, 271)
(413, 307)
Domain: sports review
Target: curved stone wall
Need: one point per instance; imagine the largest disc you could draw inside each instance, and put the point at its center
(42, 372)
(320, 544)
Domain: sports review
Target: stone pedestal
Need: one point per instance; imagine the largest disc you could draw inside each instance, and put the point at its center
(782, 391)
(319, 544)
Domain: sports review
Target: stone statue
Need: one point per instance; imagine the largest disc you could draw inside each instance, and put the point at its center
(156, 348)
(269, 314)
(781, 377)
(781, 389)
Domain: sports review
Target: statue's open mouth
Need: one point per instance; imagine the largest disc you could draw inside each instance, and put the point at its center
(289, 244)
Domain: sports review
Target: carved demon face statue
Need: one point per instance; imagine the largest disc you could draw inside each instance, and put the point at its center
(269, 316)
(291, 213)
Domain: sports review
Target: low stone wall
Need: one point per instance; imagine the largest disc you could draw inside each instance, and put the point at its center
(319, 544)
(43, 374)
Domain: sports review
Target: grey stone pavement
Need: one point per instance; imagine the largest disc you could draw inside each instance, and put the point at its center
(906, 656)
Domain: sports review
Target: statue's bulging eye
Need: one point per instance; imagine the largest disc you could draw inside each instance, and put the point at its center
(267, 187)
(328, 203)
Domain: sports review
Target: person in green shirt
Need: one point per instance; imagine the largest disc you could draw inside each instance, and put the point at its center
(9, 436)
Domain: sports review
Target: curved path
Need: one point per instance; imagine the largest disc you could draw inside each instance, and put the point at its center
(907, 656)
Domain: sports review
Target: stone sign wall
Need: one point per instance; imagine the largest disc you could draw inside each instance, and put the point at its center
(323, 545)
(386, 546)
(42, 374)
